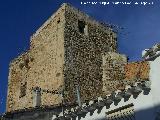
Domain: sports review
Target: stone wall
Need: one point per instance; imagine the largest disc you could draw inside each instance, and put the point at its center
(137, 70)
(60, 57)
(113, 72)
(47, 47)
(117, 72)
(17, 76)
(41, 66)
(83, 54)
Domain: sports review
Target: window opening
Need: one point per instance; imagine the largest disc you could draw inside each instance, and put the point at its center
(23, 89)
(83, 28)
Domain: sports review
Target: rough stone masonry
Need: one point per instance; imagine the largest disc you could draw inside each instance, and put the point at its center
(69, 49)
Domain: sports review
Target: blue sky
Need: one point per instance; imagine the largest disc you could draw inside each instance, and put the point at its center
(19, 19)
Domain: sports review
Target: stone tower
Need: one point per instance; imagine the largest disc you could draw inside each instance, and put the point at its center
(65, 51)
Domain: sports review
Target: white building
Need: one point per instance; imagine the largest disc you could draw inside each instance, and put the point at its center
(143, 101)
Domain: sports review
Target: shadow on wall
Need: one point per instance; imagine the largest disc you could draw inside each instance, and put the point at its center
(152, 113)
(145, 114)
(121, 113)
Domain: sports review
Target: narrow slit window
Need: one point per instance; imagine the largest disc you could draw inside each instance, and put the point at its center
(23, 88)
(58, 21)
(83, 28)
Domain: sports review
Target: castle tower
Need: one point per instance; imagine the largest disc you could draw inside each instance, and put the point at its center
(65, 51)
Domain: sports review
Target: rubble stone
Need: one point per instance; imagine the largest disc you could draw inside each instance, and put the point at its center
(62, 54)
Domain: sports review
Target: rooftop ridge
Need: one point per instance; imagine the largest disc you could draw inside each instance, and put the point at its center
(101, 102)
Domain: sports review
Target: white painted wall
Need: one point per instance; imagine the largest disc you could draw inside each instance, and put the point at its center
(155, 81)
(145, 106)
(142, 105)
